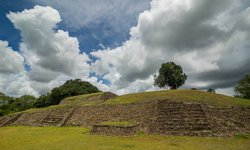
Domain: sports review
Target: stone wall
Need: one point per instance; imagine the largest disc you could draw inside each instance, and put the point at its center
(119, 130)
(10, 119)
(31, 118)
(178, 118)
(53, 117)
(228, 120)
(142, 113)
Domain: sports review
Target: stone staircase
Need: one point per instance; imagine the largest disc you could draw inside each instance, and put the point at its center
(71, 113)
(10, 120)
(54, 118)
(58, 117)
(177, 118)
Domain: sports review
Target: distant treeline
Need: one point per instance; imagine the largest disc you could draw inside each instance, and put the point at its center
(69, 88)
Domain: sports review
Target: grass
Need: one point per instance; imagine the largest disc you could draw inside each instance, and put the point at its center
(83, 100)
(86, 99)
(241, 136)
(181, 95)
(77, 138)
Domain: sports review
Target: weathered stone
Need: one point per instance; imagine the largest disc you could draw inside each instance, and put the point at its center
(119, 130)
(158, 117)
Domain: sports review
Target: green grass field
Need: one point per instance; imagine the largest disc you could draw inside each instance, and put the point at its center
(77, 138)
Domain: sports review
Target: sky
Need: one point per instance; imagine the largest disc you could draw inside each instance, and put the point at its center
(119, 45)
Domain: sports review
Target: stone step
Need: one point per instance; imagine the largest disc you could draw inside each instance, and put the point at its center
(50, 115)
(186, 125)
(191, 128)
(11, 120)
(189, 133)
(52, 120)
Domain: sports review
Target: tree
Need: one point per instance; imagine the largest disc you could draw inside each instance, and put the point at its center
(211, 90)
(24, 102)
(170, 75)
(2, 94)
(42, 101)
(69, 88)
(242, 89)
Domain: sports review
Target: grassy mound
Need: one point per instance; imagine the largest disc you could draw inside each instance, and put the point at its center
(94, 99)
(86, 99)
(181, 95)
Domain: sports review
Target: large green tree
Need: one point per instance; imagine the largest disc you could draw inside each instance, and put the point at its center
(242, 89)
(170, 75)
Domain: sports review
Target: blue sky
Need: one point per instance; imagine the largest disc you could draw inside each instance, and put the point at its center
(90, 36)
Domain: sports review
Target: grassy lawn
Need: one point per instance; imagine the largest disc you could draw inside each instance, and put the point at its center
(181, 95)
(77, 138)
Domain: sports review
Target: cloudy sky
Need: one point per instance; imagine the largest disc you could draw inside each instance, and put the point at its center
(119, 45)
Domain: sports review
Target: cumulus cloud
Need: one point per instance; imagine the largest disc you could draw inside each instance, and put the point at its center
(10, 61)
(13, 80)
(208, 38)
(49, 52)
(52, 55)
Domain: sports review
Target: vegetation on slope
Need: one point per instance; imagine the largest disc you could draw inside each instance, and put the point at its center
(181, 95)
(76, 138)
(69, 88)
(176, 95)
(93, 99)
(10, 105)
(87, 99)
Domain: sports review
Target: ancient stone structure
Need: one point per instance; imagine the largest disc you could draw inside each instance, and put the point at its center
(156, 117)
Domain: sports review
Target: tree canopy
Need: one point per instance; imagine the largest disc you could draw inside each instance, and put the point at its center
(242, 89)
(170, 75)
(69, 88)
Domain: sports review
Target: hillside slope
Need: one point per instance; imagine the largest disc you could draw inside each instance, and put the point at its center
(174, 95)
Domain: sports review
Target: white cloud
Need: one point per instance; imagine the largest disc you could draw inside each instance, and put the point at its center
(12, 78)
(52, 54)
(10, 61)
(49, 52)
(209, 39)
